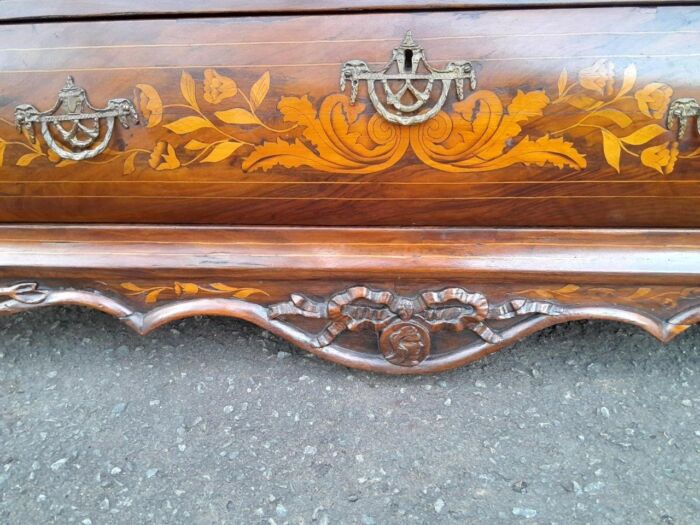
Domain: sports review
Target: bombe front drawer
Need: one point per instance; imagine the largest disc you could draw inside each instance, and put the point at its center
(484, 118)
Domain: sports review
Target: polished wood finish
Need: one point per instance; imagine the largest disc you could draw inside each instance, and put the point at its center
(21, 10)
(526, 280)
(254, 188)
(555, 140)
(653, 256)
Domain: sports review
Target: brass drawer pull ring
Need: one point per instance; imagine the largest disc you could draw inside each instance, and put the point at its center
(78, 140)
(407, 58)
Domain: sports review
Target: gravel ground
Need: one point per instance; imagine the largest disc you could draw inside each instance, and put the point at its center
(212, 421)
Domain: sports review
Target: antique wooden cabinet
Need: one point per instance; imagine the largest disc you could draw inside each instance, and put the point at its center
(398, 186)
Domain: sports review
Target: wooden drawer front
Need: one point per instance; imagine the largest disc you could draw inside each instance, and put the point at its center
(243, 121)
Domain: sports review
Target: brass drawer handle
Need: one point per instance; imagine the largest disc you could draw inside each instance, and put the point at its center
(407, 58)
(683, 109)
(77, 142)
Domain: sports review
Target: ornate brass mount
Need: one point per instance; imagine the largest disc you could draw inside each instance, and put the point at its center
(683, 109)
(404, 324)
(407, 58)
(70, 108)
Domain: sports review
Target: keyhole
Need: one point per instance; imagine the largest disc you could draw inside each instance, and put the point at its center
(407, 60)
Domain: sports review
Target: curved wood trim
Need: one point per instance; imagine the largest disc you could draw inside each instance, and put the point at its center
(401, 286)
(143, 323)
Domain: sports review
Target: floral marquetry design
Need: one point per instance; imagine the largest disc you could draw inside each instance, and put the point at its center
(217, 88)
(601, 111)
(339, 138)
(152, 294)
(653, 99)
(604, 105)
(631, 296)
(457, 143)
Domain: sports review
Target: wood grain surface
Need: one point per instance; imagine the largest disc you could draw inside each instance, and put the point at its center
(393, 300)
(243, 121)
(274, 253)
(21, 10)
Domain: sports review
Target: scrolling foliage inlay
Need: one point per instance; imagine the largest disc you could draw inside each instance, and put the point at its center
(474, 137)
(481, 133)
(152, 294)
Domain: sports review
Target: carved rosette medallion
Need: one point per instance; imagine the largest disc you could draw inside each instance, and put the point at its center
(404, 324)
(405, 343)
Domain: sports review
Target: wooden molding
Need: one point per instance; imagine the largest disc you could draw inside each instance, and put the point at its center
(390, 357)
(21, 11)
(403, 243)
(393, 300)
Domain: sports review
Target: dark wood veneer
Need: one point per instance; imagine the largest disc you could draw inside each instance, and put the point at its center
(552, 193)
(513, 51)
(530, 279)
(20, 10)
